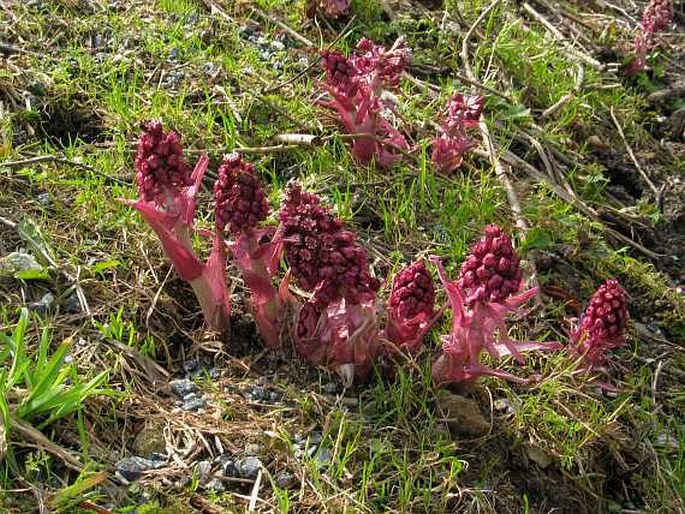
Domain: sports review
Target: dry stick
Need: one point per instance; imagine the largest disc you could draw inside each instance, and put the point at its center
(500, 171)
(571, 198)
(59, 160)
(30, 433)
(285, 27)
(561, 38)
(657, 193)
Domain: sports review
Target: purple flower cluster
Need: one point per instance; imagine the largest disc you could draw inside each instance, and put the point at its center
(411, 307)
(413, 292)
(322, 255)
(655, 18)
(160, 167)
(239, 196)
(356, 85)
(463, 113)
(491, 273)
(603, 324)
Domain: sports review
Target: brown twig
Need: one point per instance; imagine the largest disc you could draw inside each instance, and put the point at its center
(59, 160)
(501, 171)
(282, 25)
(649, 182)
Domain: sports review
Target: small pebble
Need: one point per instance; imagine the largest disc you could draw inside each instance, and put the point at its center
(285, 480)
(193, 405)
(227, 464)
(183, 388)
(248, 467)
(203, 469)
(216, 484)
(132, 468)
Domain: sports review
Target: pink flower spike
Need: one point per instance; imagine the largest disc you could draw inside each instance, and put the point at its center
(411, 307)
(161, 170)
(602, 327)
(487, 290)
(463, 113)
(356, 85)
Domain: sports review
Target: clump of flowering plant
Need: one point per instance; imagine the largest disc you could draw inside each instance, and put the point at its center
(331, 8)
(463, 114)
(337, 326)
(486, 291)
(655, 18)
(411, 308)
(357, 85)
(240, 206)
(602, 327)
(167, 192)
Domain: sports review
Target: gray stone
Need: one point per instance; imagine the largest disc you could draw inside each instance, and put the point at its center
(216, 484)
(203, 469)
(248, 467)
(132, 468)
(183, 388)
(194, 404)
(227, 464)
(285, 480)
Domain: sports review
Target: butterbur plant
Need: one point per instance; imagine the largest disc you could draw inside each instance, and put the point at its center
(655, 18)
(331, 8)
(357, 86)
(487, 290)
(337, 327)
(240, 206)
(463, 114)
(411, 308)
(602, 327)
(167, 191)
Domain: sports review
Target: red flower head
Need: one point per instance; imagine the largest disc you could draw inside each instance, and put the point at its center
(492, 272)
(322, 255)
(160, 167)
(656, 16)
(411, 307)
(603, 324)
(413, 292)
(240, 200)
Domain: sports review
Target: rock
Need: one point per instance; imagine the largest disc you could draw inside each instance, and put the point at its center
(194, 404)
(249, 467)
(333, 387)
(504, 406)
(324, 456)
(183, 387)
(540, 457)
(131, 468)
(216, 484)
(285, 480)
(43, 305)
(227, 466)
(203, 470)
(462, 415)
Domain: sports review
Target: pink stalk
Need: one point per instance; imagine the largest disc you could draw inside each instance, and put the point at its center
(338, 326)
(487, 290)
(167, 204)
(356, 85)
(240, 206)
